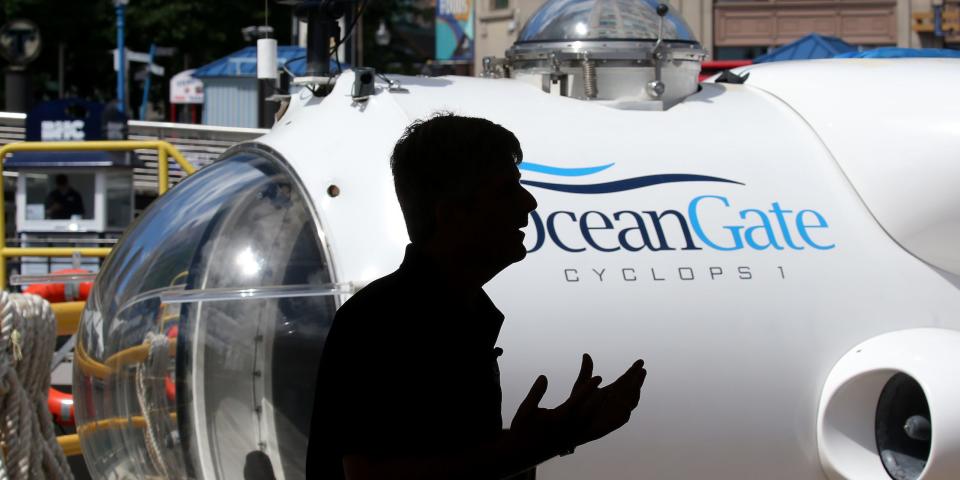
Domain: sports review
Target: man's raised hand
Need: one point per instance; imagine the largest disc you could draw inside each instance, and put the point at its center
(610, 408)
(588, 414)
(548, 425)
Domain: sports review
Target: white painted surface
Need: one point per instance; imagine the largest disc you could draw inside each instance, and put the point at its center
(736, 366)
(929, 356)
(893, 128)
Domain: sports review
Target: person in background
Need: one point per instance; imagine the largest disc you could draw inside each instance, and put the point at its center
(63, 202)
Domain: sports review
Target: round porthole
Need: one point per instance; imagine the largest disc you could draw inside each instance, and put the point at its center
(903, 428)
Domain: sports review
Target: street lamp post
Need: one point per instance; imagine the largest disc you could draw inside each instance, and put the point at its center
(121, 6)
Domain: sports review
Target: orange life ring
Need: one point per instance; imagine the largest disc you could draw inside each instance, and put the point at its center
(61, 406)
(62, 292)
(169, 386)
(60, 403)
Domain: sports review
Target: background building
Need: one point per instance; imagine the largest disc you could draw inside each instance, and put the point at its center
(744, 29)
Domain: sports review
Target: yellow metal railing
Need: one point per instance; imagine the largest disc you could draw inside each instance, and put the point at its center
(68, 313)
(164, 151)
(68, 316)
(70, 444)
(129, 356)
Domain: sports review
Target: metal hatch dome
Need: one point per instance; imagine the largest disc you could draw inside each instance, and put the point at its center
(634, 54)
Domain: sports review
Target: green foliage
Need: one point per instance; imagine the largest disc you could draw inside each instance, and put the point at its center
(200, 30)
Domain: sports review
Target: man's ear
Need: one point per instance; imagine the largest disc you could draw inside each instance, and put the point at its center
(447, 214)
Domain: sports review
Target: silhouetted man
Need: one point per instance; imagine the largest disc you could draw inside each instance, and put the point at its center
(408, 385)
(63, 202)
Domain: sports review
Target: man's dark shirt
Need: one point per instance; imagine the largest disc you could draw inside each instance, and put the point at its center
(408, 370)
(71, 203)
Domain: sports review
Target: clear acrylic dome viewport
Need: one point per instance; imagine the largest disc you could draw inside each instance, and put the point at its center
(570, 20)
(198, 348)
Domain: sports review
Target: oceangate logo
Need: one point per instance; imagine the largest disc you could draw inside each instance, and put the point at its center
(608, 187)
(631, 229)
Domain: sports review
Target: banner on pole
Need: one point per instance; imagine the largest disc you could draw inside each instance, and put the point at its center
(185, 88)
(454, 30)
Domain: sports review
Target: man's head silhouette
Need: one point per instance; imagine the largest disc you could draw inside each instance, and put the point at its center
(458, 183)
(459, 189)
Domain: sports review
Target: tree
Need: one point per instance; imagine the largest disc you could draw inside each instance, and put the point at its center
(200, 30)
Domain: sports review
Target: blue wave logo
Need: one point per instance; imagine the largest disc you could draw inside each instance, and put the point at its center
(608, 187)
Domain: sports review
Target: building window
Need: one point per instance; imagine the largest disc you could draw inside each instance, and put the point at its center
(499, 4)
(739, 53)
(69, 199)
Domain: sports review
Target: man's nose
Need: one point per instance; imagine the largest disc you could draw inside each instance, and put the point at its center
(530, 203)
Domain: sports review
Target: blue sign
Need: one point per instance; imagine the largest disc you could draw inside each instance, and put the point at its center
(75, 120)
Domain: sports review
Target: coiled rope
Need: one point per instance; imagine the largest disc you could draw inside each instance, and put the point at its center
(150, 393)
(28, 333)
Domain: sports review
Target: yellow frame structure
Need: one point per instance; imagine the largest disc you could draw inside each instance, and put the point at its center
(165, 150)
(68, 314)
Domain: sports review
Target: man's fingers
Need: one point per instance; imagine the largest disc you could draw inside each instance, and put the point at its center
(638, 377)
(536, 394)
(629, 381)
(581, 394)
(633, 375)
(626, 389)
(586, 371)
(584, 386)
(634, 391)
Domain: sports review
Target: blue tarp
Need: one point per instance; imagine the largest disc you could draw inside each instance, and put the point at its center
(894, 52)
(811, 46)
(243, 63)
